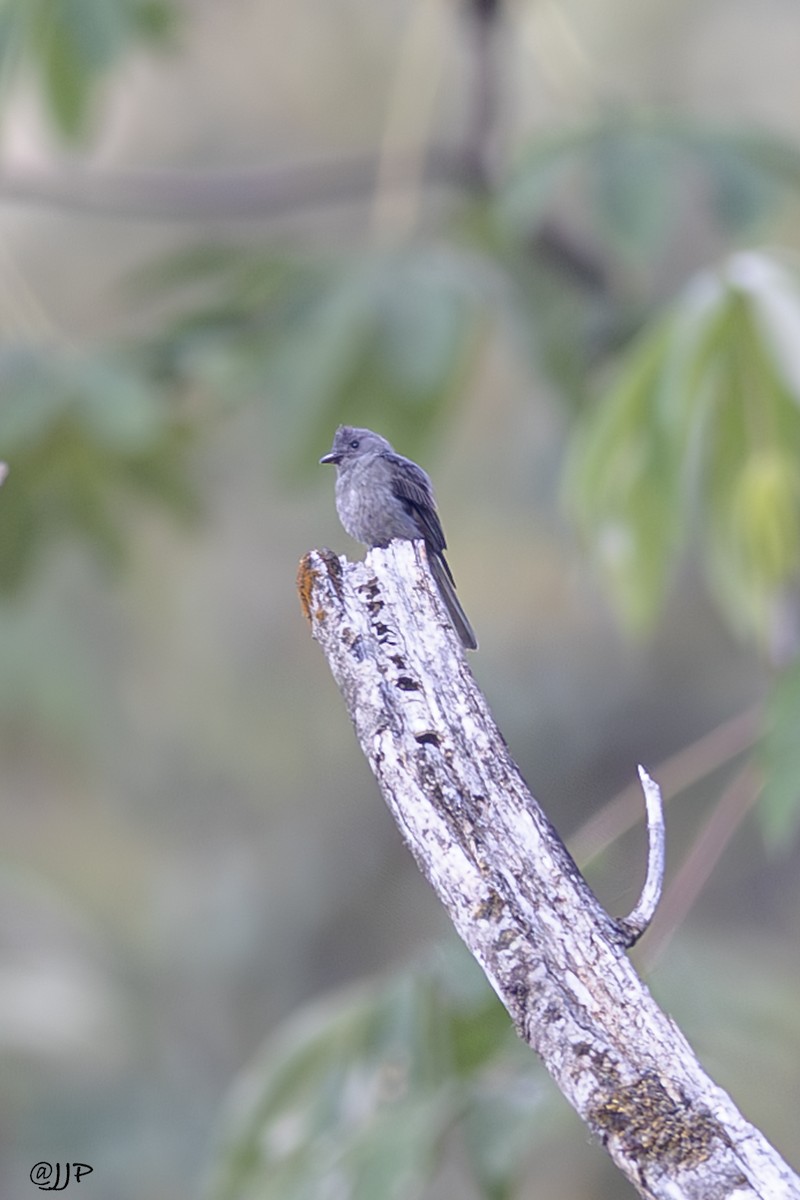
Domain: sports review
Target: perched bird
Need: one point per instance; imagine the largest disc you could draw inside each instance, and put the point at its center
(380, 496)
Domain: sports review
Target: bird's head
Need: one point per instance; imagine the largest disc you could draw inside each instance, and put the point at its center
(350, 443)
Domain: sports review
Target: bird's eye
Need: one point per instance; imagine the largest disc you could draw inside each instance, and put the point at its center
(354, 444)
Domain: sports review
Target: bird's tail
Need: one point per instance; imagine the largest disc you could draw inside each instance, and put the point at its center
(447, 590)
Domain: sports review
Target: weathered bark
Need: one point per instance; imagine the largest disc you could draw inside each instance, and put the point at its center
(554, 957)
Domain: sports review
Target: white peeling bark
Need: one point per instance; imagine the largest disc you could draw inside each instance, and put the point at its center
(554, 957)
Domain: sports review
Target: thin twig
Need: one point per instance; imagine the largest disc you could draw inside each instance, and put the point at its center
(730, 810)
(633, 927)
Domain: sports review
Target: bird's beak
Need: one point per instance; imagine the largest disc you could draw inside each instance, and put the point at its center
(331, 458)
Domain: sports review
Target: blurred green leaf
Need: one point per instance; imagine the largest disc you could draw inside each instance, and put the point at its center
(779, 805)
(357, 1094)
(557, 322)
(623, 480)
(775, 297)
(582, 202)
(634, 168)
(633, 182)
(82, 437)
(97, 32)
(402, 328)
(117, 407)
(388, 334)
(741, 190)
(700, 435)
(240, 279)
(544, 164)
(498, 1129)
(71, 44)
(155, 20)
(748, 486)
(67, 82)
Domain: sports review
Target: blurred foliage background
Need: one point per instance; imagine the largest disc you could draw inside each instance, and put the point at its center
(549, 248)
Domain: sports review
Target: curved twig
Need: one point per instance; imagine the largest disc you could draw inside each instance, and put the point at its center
(725, 819)
(633, 926)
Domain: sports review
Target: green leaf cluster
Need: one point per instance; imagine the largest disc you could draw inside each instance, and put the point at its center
(358, 1096)
(633, 170)
(69, 45)
(83, 436)
(332, 340)
(697, 440)
(400, 329)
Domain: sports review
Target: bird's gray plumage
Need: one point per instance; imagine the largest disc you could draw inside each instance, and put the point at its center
(380, 495)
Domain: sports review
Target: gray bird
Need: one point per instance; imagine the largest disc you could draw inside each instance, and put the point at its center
(380, 496)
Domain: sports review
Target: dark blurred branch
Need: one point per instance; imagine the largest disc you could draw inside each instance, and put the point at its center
(556, 248)
(223, 195)
(271, 192)
(483, 95)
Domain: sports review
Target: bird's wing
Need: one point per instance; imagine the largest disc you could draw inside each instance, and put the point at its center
(411, 485)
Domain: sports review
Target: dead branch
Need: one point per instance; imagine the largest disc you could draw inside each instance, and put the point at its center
(554, 957)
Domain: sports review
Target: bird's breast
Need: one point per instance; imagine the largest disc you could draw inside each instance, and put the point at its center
(367, 505)
(355, 503)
